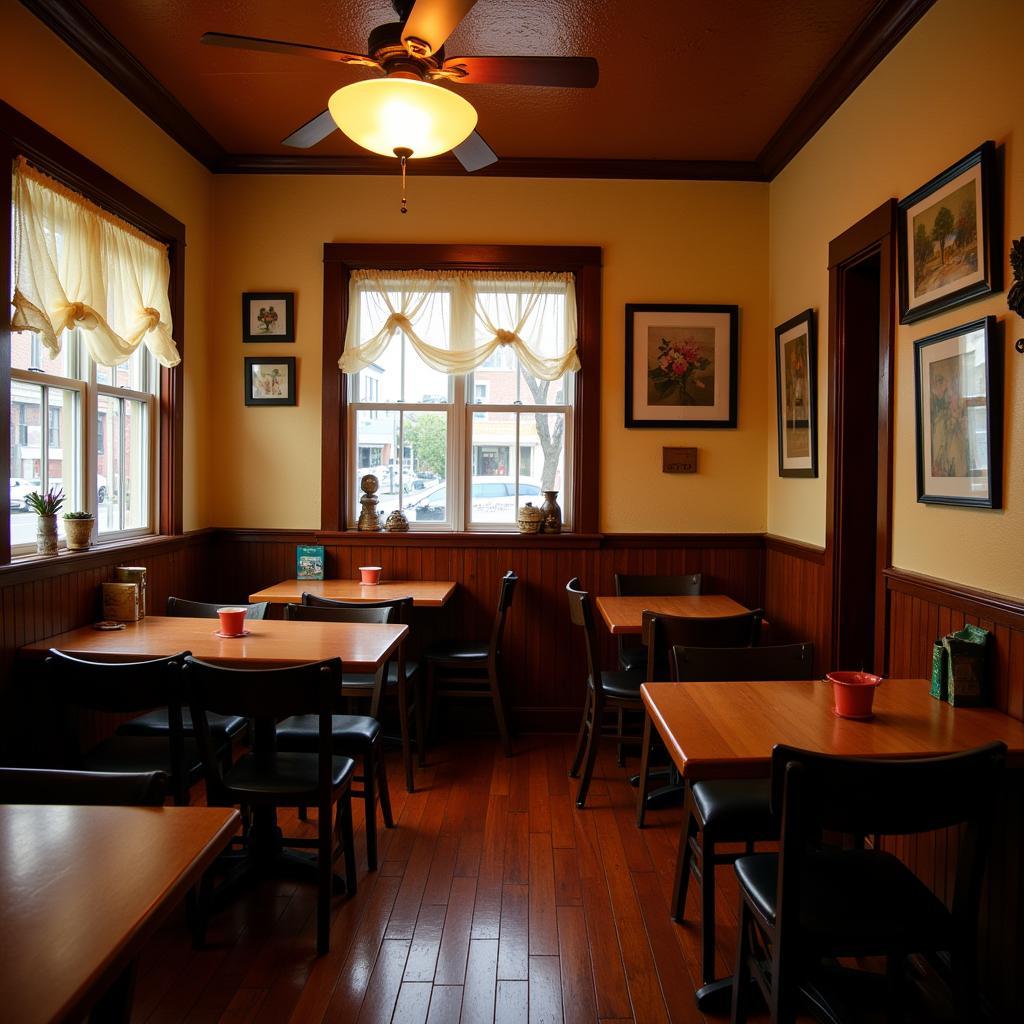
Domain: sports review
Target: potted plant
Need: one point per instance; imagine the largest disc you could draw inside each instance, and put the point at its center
(46, 506)
(78, 530)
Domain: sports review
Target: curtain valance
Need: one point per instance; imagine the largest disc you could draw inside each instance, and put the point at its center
(456, 320)
(75, 265)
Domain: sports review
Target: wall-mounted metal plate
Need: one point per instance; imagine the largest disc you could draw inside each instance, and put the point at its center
(679, 460)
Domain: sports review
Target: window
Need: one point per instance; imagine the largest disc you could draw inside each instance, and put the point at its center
(475, 445)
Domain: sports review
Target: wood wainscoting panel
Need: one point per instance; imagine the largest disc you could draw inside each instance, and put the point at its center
(795, 601)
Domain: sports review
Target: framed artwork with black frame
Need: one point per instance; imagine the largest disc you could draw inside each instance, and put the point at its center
(796, 385)
(681, 365)
(958, 390)
(268, 316)
(950, 235)
(270, 381)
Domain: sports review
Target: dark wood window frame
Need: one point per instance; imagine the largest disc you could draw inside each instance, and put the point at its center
(583, 261)
(20, 136)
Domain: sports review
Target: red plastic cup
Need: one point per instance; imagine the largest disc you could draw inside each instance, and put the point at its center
(232, 621)
(854, 693)
(369, 575)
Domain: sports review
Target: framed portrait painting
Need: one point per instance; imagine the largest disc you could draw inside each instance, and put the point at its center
(796, 385)
(270, 381)
(268, 316)
(958, 388)
(681, 365)
(950, 237)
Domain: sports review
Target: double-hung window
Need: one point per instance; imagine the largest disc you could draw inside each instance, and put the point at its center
(90, 330)
(460, 394)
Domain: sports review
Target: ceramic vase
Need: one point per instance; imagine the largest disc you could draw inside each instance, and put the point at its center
(552, 513)
(530, 519)
(78, 533)
(46, 535)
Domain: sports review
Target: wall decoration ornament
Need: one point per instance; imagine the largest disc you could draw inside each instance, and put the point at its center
(270, 381)
(1015, 298)
(268, 316)
(958, 388)
(681, 365)
(796, 386)
(950, 248)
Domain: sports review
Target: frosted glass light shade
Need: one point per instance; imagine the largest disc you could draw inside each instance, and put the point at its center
(384, 114)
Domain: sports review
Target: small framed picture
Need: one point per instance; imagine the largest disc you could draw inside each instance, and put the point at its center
(950, 238)
(681, 365)
(958, 387)
(796, 385)
(268, 316)
(270, 381)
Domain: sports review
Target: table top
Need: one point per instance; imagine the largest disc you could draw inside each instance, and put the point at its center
(82, 888)
(624, 615)
(362, 646)
(424, 593)
(721, 730)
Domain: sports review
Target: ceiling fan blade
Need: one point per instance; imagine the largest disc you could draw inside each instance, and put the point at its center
(562, 72)
(311, 132)
(433, 21)
(289, 49)
(474, 153)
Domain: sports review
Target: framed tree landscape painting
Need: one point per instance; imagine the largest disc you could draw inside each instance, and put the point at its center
(681, 365)
(958, 386)
(949, 238)
(796, 383)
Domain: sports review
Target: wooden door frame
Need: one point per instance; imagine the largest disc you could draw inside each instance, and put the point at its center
(874, 235)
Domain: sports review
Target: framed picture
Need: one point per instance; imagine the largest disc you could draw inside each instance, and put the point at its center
(270, 381)
(796, 385)
(958, 387)
(950, 237)
(681, 365)
(268, 316)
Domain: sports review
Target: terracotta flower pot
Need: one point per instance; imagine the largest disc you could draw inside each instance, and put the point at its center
(854, 693)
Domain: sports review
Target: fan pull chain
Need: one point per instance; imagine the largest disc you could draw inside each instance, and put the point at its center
(403, 155)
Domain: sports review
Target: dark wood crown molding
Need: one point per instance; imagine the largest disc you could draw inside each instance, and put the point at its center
(91, 40)
(881, 30)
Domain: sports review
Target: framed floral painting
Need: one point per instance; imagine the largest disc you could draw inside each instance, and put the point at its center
(958, 386)
(681, 365)
(268, 316)
(270, 381)
(796, 384)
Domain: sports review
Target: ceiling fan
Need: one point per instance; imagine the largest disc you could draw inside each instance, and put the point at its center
(379, 113)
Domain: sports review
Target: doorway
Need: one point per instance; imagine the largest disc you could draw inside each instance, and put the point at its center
(858, 545)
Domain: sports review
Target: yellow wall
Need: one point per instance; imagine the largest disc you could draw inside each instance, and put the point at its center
(953, 82)
(662, 242)
(47, 82)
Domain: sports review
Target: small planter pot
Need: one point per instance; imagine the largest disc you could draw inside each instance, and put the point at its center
(78, 533)
(46, 535)
(854, 693)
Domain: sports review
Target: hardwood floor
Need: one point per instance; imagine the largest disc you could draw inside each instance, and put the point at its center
(496, 900)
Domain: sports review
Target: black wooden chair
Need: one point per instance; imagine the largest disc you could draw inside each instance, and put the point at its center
(226, 728)
(474, 669)
(725, 810)
(121, 687)
(606, 691)
(633, 653)
(57, 786)
(810, 902)
(268, 778)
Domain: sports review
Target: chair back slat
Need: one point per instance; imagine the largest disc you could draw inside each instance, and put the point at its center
(179, 606)
(355, 613)
(506, 592)
(581, 612)
(401, 607)
(725, 664)
(120, 686)
(108, 789)
(632, 585)
(663, 632)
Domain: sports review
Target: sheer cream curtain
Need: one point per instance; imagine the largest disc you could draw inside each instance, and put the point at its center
(75, 265)
(532, 313)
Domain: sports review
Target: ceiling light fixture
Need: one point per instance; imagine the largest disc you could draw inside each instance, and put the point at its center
(404, 116)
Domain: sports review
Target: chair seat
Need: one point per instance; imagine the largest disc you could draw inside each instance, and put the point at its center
(854, 902)
(155, 723)
(350, 733)
(139, 754)
(290, 776)
(633, 657)
(366, 679)
(460, 653)
(623, 685)
(735, 809)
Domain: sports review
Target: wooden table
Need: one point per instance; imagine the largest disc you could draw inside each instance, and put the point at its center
(624, 615)
(362, 646)
(81, 890)
(727, 730)
(424, 593)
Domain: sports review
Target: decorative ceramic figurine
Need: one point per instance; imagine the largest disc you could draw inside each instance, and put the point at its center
(369, 519)
(552, 513)
(530, 519)
(396, 522)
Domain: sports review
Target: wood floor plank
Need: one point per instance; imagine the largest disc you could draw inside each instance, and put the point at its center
(540, 811)
(442, 868)
(514, 934)
(458, 923)
(487, 910)
(413, 1003)
(385, 982)
(545, 991)
(445, 1004)
(517, 848)
(243, 1007)
(471, 848)
(543, 923)
(481, 981)
(568, 891)
(512, 1002)
(577, 974)
(426, 941)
